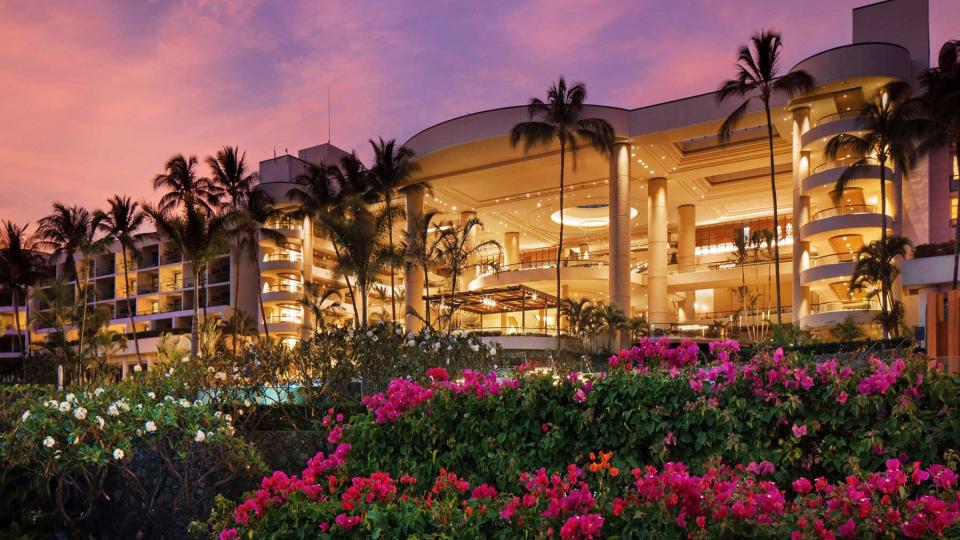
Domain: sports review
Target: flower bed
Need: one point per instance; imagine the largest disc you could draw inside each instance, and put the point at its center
(768, 447)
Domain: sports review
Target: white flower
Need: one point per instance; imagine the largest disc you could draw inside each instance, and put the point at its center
(64, 406)
(369, 333)
(151, 395)
(246, 403)
(436, 345)
(71, 398)
(150, 426)
(100, 422)
(200, 437)
(184, 403)
(209, 369)
(220, 376)
(137, 368)
(228, 418)
(168, 398)
(218, 414)
(185, 359)
(118, 454)
(399, 331)
(26, 414)
(411, 343)
(80, 413)
(52, 404)
(493, 351)
(476, 348)
(375, 339)
(98, 391)
(49, 442)
(112, 410)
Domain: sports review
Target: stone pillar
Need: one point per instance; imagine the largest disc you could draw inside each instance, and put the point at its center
(619, 237)
(511, 250)
(414, 276)
(687, 257)
(801, 212)
(659, 309)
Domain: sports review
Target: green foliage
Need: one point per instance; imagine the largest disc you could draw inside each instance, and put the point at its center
(142, 440)
(540, 424)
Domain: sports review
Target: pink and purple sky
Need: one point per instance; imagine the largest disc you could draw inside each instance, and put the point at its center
(96, 95)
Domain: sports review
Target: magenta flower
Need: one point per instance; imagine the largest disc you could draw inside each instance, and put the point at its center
(842, 397)
(799, 430)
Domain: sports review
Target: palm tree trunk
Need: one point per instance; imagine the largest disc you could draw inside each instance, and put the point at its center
(426, 288)
(195, 324)
(236, 292)
(26, 308)
(363, 292)
(206, 291)
(16, 320)
(776, 215)
(263, 313)
(884, 286)
(563, 148)
(393, 271)
(956, 240)
(126, 284)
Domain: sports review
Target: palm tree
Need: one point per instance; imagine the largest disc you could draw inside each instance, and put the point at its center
(21, 266)
(560, 119)
(420, 250)
(457, 251)
(183, 187)
(358, 234)
(120, 224)
(577, 311)
(874, 272)
(942, 86)
(258, 210)
(392, 168)
(892, 131)
(230, 175)
(69, 231)
(200, 237)
(318, 300)
(758, 77)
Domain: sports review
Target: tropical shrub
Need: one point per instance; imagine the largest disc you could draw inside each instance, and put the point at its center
(659, 405)
(93, 454)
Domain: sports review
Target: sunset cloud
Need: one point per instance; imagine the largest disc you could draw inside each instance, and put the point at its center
(96, 95)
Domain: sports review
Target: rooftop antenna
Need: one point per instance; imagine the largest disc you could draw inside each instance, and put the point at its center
(328, 115)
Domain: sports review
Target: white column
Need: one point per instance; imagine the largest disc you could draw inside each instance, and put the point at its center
(307, 272)
(414, 276)
(659, 311)
(801, 211)
(511, 250)
(619, 237)
(686, 255)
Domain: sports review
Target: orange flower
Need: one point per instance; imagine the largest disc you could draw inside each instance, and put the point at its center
(614, 471)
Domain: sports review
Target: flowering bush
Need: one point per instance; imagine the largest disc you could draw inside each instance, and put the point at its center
(657, 405)
(84, 445)
(595, 502)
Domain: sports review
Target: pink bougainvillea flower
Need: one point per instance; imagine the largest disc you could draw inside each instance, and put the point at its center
(799, 430)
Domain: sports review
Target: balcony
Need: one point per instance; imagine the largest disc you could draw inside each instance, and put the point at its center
(171, 257)
(838, 116)
(827, 173)
(105, 271)
(954, 184)
(860, 219)
(285, 323)
(829, 314)
(283, 292)
(828, 267)
(281, 261)
(219, 276)
(149, 289)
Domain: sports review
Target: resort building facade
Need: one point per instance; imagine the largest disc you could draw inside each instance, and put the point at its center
(652, 227)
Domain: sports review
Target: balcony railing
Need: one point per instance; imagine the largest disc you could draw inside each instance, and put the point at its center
(834, 258)
(281, 317)
(148, 289)
(284, 224)
(219, 277)
(845, 210)
(270, 257)
(105, 271)
(284, 287)
(170, 257)
(839, 116)
(842, 163)
(844, 305)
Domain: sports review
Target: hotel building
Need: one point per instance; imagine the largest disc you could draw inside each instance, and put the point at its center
(649, 227)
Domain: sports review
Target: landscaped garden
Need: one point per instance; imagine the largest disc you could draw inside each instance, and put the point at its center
(666, 441)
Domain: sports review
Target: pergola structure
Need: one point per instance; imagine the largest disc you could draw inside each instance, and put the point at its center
(510, 299)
